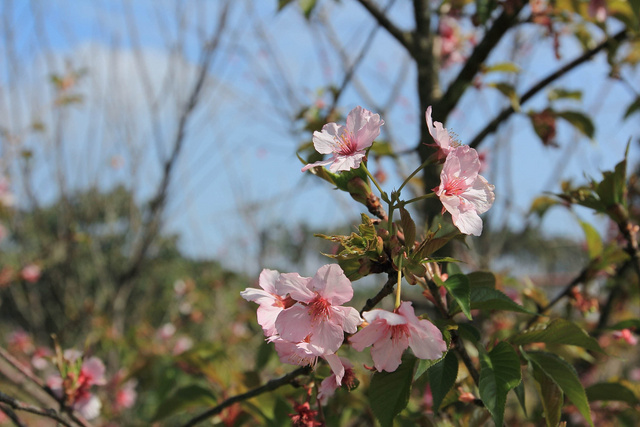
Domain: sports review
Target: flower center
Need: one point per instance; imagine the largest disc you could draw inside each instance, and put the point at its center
(455, 186)
(398, 331)
(319, 309)
(346, 143)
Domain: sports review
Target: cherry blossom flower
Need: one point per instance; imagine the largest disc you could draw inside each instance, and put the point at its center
(318, 315)
(389, 334)
(626, 335)
(271, 302)
(347, 144)
(301, 353)
(441, 136)
(126, 395)
(464, 193)
(342, 375)
(77, 389)
(31, 273)
(598, 9)
(304, 416)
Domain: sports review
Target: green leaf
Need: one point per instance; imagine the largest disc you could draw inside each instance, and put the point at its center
(264, 353)
(611, 391)
(408, 227)
(541, 205)
(626, 324)
(520, 394)
(491, 299)
(469, 332)
(594, 242)
(484, 279)
(283, 3)
(564, 376)
(458, 287)
(502, 67)
(389, 391)
(307, 7)
(558, 331)
(424, 365)
(578, 120)
(499, 373)
(442, 377)
(613, 187)
(551, 397)
(632, 108)
(188, 397)
(559, 93)
(509, 91)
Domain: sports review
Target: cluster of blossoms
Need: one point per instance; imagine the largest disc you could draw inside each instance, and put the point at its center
(464, 193)
(304, 318)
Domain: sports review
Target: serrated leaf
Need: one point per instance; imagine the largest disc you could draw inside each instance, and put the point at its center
(594, 242)
(551, 397)
(424, 365)
(458, 287)
(499, 373)
(502, 67)
(469, 332)
(188, 397)
(578, 120)
(558, 331)
(565, 377)
(442, 377)
(389, 391)
(611, 391)
(509, 91)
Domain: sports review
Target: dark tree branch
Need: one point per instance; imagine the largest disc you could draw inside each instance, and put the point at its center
(270, 386)
(502, 24)
(387, 289)
(403, 37)
(508, 111)
(23, 406)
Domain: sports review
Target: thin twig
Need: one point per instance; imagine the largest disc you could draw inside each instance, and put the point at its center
(23, 406)
(508, 111)
(403, 37)
(387, 289)
(270, 386)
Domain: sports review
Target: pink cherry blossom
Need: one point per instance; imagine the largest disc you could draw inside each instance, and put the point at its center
(598, 9)
(126, 395)
(77, 389)
(463, 192)
(389, 334)
(441, 136)
(626, 335)
(270, 301)
(318, 315)
(342, 374)
(31, 273)
(347, 144)
(301, 353)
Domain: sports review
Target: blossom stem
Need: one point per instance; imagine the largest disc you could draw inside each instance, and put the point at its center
(397, 304)
(406, 181)
(383, 195)
(423, 197)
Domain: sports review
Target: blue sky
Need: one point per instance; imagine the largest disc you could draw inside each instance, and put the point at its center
(238, 172)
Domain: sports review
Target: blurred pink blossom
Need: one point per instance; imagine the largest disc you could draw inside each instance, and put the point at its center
(166, 331)
(126, 395)
(6, 196)
(627, 335)
(390, 333)
(463, 192)
(20, 342)
(31, 273)
(598, 9)
(347, 144)
(40, 358)
(182, 344)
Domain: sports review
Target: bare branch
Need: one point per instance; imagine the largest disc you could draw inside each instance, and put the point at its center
(508, 111)
(502, 24)
(270, 386)
(402, 36)
(23, 406)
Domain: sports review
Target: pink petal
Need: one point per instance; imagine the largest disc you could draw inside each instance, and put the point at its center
(332, 284)
(367, 336)
(267, 316)
(296, 286)
(258, 296)
(350, 318)
(345, 163)
(94, 369)
(426, 341)
(294, 323)
(267, 280)
(387, 355)
(328, 336)
(325, 142)
(319, 163)
(391, 319)
(336, 366)
(480, 195)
